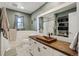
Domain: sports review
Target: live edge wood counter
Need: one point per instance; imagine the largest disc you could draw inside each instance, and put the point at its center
(61, 46)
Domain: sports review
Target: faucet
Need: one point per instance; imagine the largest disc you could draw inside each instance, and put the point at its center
(49, 34)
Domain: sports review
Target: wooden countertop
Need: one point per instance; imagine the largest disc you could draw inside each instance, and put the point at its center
(61, 46)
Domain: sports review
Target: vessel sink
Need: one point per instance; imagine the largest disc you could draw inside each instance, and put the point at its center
(46, 38)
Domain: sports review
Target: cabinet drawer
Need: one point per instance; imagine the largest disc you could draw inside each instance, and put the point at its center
(39, 49)
(51, 52)
(47, 51)
(43, 50)
(34, 48)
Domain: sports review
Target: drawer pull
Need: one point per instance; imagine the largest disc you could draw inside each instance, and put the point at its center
(29, 44)
(29, 49)
(44, 47)
(38, 49)
(31, 54)
(35, 42)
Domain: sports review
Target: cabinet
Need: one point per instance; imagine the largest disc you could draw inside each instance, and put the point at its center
(78, 23)
(39, 49)
(34, 48)
(78, 15)
(72, 25)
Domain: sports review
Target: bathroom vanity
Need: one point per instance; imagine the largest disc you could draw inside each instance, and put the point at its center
(39, 47)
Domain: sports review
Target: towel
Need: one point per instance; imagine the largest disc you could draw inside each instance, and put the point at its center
(5, 23)
(12, 35)
(74, 44)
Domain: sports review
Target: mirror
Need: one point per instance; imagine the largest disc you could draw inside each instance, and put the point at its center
(56, 23)
(47, 24)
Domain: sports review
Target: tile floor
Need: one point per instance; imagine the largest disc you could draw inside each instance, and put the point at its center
(21, 49)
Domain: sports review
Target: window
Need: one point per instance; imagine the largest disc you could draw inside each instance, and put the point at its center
(19, 22)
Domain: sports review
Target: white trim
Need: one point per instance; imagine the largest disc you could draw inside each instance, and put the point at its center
(37, 24)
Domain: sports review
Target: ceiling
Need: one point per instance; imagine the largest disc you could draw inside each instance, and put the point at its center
(50, 15)
(27, 7)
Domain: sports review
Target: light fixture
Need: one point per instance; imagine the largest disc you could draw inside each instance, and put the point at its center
(22, 7)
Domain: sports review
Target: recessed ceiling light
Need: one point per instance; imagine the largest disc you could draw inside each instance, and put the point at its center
(22, 7)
